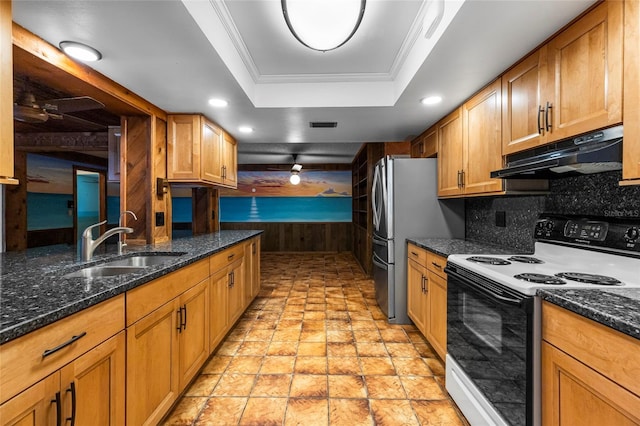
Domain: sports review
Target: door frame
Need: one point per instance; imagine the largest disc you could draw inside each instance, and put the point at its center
(102, 185)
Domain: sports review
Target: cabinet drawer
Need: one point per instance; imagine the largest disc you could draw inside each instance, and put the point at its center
(416, 253)
(611, 353)
(226, 257)
(149, 297)
(24, 361)
(436, 264)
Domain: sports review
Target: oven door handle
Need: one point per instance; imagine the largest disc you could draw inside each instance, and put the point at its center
(512, 301)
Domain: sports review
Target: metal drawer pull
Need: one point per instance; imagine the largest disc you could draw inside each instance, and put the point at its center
(540, 111)
(179, 312)
(48, 352)
(546, 116)
(414, 253)
(230, 256)
(184, 324)
(58, 409)
(437, 265)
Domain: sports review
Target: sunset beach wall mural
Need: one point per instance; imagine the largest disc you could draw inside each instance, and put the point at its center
(268, 196)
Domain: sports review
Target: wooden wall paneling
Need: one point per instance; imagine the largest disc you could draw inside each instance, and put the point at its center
(134, 176)
(295, 237)
(204, 209)
(16, 207)
(160, 203)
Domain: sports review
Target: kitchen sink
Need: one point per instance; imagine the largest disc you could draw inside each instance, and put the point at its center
(103, 271)
(143, 260)
(127, 265)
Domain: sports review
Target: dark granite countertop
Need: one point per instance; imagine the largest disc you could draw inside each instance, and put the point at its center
(35, 293)
(617, 308)
(448, 246)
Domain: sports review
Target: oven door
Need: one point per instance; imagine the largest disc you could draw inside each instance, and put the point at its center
(490, 337)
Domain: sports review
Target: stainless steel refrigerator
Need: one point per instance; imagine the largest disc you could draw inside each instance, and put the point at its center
(405, 205)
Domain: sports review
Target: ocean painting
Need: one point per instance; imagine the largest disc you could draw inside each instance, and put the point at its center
(268, 196)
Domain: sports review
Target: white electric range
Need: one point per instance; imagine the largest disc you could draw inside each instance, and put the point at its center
(493, 315)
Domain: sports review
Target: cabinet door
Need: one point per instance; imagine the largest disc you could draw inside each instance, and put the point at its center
(218, 307)
(255, 267)
(95, 385)
(574, 394)
(585, 73)
(35, 405)
(235, 286)
(427, 145)
(183, 147)
(450, 154)
(416, 277)
(230, 161)
(436, 322)
(152, 380)
(6, 95)
(522, 117)
(482, 140)
(631, 145)
(211, 167)
(193, 336)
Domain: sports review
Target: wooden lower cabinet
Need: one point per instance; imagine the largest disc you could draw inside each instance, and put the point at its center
(252, 270)
(152, 379)
(218, 311)
(427, 296)
(88, 391)
(436, 322)
(193, 336)
(416, 294)
(590, 372)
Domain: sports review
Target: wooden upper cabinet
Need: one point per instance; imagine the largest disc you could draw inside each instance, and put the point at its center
(426, 145)
(6, 96)
(198, 151)
(522, 116)
(482, 140)
(449, 131)
(631, 145)
(584, 74)
(229, 161)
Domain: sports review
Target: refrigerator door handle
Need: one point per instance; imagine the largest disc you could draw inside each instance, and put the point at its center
(379, 262)
(379, 241)
(374, 206)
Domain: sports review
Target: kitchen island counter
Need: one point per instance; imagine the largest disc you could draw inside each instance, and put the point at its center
(34, 291)
(618, 308)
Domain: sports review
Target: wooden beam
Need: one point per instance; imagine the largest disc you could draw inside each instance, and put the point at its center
(15, 217)
(46, 63)
(79, 142)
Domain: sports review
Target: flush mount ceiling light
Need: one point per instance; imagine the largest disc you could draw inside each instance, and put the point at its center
(216, 102)
(245, 129)
(431, 100)
(80, 51)
(323, 25)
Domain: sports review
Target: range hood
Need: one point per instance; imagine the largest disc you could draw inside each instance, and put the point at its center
(595, 152)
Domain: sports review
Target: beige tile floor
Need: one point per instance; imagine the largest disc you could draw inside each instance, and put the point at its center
(315, 349)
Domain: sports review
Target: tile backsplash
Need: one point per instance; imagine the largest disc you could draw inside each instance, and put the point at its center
(597, 194)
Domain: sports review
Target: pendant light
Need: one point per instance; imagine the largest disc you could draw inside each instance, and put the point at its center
(323, 25)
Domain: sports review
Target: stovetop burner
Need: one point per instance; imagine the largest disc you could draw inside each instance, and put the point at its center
(488, 260)
(525, 259)
(540, 278)
(589, 278)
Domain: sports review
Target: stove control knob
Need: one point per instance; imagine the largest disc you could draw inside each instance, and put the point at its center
(632, 234)
(549, 225)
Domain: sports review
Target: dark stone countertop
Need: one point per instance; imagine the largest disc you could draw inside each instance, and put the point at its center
(448, 246)
(617, 308)
(34, 292)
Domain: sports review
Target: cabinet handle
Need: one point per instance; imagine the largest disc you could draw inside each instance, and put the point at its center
(461, 178)
(73, 339)
(426, 290)
(184, 317)
(546, 116)
(253, 248)
(230, 256)
(58, 409)
(231, 280)
(540, 127)
(459, 185)
(437, 265)
(72, 389)
(414, 253)
(179, 312)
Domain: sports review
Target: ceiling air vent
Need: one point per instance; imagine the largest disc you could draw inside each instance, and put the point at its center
(323, 124)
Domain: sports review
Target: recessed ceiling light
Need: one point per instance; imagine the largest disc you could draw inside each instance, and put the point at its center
(431, 100)
(80, 51)
(215, 102)
(245, 129)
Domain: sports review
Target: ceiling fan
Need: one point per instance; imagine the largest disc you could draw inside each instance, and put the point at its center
(28, 110)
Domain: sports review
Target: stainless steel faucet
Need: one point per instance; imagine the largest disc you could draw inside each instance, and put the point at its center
(89, 244)
(121, 243)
